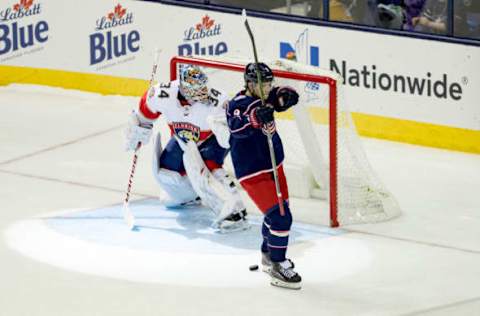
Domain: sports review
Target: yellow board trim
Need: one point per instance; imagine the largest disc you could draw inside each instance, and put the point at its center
(103, 84)
(406, 131)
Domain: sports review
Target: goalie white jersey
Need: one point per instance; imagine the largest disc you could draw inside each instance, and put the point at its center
(187, 121)
(190, 166)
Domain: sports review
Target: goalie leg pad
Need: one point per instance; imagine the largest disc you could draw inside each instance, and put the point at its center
(237, 208)
(216, 189)
(202, 180)
(178, 188)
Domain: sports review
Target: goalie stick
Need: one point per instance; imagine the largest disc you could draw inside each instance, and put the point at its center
(127, 213)
(268, 132)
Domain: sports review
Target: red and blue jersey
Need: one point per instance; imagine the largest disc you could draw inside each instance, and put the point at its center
(248, 141)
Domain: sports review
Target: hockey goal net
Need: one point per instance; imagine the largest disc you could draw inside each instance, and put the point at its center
(324, 157)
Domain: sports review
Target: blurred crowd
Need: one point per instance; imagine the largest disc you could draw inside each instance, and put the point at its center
(428, 16)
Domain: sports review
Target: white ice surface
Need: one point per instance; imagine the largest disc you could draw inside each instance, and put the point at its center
(170, 246)
(62, 150)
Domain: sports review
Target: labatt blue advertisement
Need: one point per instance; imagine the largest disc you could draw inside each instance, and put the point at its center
(195, 37)
(22, 30)
(113, 39)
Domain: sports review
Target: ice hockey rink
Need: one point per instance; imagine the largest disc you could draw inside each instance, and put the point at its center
(65, 249)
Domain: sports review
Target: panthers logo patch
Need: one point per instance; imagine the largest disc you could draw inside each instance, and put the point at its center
(186, 131)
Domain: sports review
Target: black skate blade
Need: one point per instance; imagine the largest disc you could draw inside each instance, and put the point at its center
(286, 285)
(229, 230)
(235, 227)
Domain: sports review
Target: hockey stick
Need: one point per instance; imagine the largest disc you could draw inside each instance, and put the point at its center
(268, 132)
(127, 214)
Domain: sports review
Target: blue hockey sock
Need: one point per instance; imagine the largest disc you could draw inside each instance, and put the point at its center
(278, 233)
(265, 234)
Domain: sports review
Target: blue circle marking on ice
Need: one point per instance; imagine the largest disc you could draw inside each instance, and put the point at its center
(172, 246)
(174, 230)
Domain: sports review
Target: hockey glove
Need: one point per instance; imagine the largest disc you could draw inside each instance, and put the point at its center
(286, 97)
(264, 114)
(137, 132)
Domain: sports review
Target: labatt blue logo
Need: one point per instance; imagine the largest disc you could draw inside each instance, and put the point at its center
(194, 35)
(17, 35)
(105, 45)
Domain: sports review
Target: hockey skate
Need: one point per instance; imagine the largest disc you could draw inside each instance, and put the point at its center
(234, 222)
(283, 275)
(173, 203)
(267, 262)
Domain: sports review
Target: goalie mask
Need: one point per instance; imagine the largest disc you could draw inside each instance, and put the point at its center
(193, 84)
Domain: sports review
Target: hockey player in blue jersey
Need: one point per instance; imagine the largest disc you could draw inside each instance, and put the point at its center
(248, 122)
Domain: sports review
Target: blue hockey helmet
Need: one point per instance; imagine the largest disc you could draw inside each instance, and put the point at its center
(250, 74)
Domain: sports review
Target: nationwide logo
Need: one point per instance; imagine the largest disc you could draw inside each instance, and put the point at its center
(105, 45)
(367, 76)
(17, 35)
(200, 32)
(301, 50)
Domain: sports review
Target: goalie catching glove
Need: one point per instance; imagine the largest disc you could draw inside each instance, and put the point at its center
(138, 132)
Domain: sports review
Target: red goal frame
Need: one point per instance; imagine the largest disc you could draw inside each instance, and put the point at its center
(332, 109)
